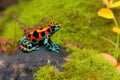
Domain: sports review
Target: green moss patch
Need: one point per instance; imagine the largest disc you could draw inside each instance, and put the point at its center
(85, 64)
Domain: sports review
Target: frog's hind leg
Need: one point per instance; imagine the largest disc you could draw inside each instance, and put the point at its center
(27, 46)
(51, 45)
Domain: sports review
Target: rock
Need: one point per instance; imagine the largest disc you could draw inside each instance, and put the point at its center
(1, 63)
(21, 66)
(6, 3)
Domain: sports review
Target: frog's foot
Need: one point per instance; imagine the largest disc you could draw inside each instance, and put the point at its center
(51, 46)
(53, 49)
(35, 48)
(55, 45)
(26, 49)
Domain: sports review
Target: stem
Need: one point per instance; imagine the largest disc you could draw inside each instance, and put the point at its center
(115, 22)
(17, 20)
(15, 35)
(110, 41)
(118, 36)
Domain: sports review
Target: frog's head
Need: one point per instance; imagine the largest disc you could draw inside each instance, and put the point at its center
(55, 26)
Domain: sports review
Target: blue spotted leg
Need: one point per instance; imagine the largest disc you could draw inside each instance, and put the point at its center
(51, 45)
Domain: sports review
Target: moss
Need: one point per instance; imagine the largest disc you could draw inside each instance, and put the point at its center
(85, 64)
(48, 74)
(91, 66)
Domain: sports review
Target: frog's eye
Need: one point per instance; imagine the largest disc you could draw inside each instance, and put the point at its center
(58, 26)
(52, 28)
(52, 22)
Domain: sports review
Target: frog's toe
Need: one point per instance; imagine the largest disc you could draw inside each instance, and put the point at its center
(35, 48)
(55, 50)
(55, 46)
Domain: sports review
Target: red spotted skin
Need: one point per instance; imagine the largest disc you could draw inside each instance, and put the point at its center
(38, 33)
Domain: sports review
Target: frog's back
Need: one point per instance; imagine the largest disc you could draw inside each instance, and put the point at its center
(38, 33)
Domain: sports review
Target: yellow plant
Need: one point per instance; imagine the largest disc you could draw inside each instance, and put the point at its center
(108, 14)
(116, 29)
(110, 4)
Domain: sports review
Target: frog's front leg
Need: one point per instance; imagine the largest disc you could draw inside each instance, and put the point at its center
(51, 45)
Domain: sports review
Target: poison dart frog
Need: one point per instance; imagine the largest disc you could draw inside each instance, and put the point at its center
(40, 35)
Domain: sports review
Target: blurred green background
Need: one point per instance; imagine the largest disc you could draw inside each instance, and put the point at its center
(80, 25)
